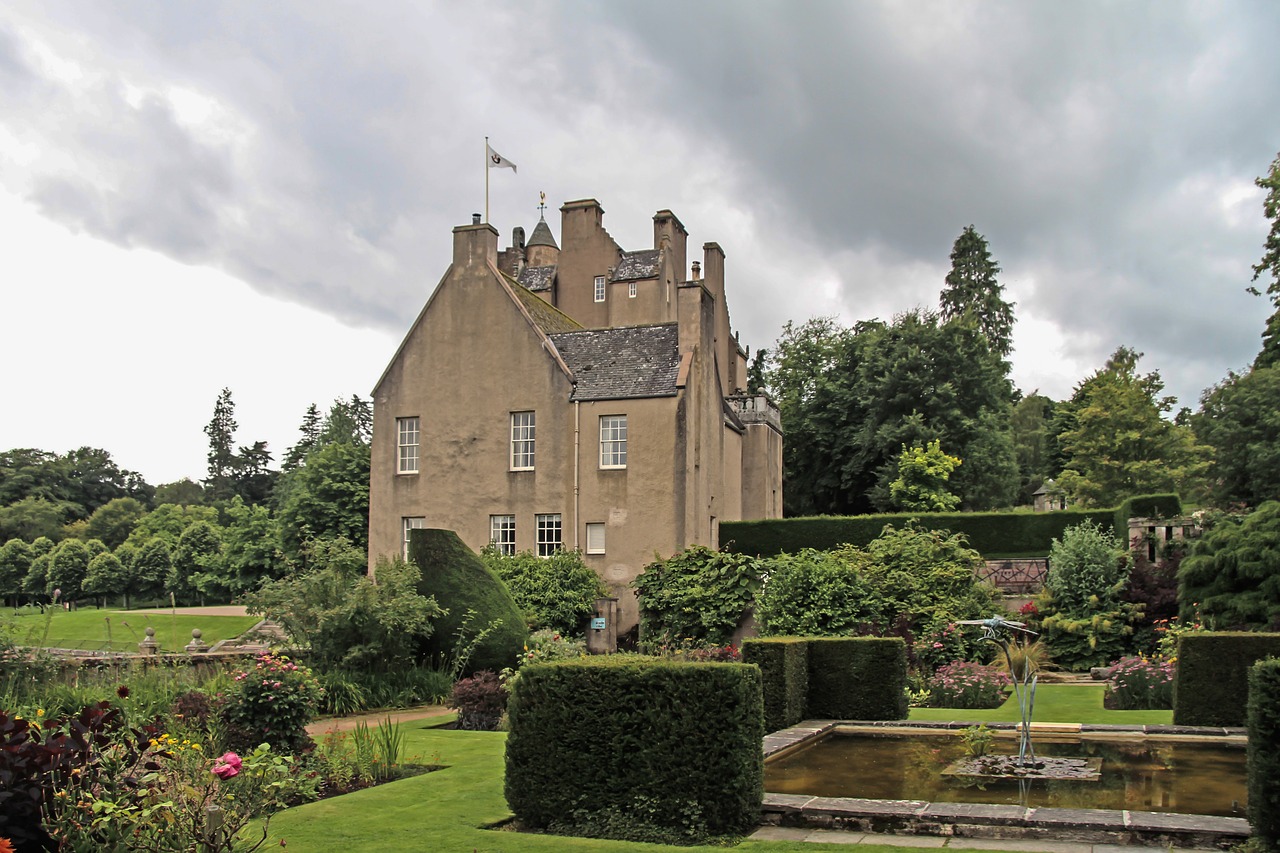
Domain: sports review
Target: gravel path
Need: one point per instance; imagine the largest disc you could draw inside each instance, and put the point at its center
(216, 610)
(344, 724)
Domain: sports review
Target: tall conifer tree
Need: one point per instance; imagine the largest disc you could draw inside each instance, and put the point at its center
(972, 290)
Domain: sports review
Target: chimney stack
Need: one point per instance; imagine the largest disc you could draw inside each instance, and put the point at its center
(697, 271)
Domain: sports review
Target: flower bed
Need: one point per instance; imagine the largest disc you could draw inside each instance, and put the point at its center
(961, 684)
(1139, 683)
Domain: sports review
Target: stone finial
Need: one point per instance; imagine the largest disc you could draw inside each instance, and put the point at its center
(196, 645)
(149, 646)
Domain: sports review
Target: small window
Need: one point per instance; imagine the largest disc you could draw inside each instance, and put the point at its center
(550, 538)
(613, 441)
(407, 524)
(599, 288)
(407, 445)
(595, 537)
(502, 533)
(631, 290)
(523, 429)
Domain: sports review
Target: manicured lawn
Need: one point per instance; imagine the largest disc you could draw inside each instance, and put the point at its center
(121, 630)
(1055, 703)
(445, 810)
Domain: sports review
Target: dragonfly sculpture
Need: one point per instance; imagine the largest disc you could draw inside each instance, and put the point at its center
(1004, 633)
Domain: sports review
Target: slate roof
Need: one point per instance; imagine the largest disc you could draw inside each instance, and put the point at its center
(636, 265)
(620, 364)
(549, 318)
(542, 236)
(538, 279)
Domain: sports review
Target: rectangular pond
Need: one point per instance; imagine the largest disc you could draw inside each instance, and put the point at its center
(1188, 776)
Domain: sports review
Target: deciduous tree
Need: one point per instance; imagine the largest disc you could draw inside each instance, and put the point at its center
(1240, 419)
(923, 472)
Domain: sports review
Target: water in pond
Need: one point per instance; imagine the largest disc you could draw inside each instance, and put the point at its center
(1153, 775)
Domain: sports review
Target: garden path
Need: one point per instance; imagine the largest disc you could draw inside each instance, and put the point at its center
(344, 724)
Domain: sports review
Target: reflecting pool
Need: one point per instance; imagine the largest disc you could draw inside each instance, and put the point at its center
(1166, 775)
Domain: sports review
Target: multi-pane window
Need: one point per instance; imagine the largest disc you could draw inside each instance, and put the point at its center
(631, 290)
(502, 533)
(522, 440)
(407, 524)
(595, 537)
(407, 445)
(613, 441)
(550, 538)
(599, 289)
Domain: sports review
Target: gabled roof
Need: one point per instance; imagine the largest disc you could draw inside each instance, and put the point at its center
(537, 279)
(545, 316)
(636, 265)
(620, 364)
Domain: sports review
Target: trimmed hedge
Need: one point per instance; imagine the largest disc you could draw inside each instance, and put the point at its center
(1264, 752)
(857, 678)
(784, 672)
(461, 582)
(987, 532)
(1211, 686)
(636, 748)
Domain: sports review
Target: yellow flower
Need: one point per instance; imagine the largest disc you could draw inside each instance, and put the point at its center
(39, 712)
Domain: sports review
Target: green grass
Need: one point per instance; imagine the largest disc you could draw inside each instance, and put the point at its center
(88, 629)
(447, 810)
(1055, 703)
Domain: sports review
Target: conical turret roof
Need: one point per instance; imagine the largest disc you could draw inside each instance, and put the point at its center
(541, 236)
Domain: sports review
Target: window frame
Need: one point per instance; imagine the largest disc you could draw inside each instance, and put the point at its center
(631, 290)
(405, 526)
(502, 534)
(524, 438)
(613, 448)
(598, 526)
(599, 288)
(546, 523)
(403, 456)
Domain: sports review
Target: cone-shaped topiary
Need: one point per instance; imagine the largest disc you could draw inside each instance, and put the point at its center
(461, 583)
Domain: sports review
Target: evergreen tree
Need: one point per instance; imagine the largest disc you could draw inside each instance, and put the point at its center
(296, 455)
(222, 455)
(973, 292)
(1269, 265)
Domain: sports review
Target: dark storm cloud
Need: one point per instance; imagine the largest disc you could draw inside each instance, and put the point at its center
(835, 149)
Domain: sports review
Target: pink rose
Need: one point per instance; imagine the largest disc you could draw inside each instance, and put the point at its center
(227, 766)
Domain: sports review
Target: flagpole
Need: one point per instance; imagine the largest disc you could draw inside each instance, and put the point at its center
(486, 179)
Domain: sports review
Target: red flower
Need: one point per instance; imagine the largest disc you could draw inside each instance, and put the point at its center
(123, 691)
(227, 766)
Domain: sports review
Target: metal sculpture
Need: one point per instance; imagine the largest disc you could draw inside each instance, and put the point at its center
(1003, 632)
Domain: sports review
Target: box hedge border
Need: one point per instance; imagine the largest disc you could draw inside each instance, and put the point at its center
(784, 672)
(643, 741)
(1264, 751)
(1211, 686)
(857, 678)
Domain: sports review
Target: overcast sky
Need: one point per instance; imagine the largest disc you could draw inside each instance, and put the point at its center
(260, 195)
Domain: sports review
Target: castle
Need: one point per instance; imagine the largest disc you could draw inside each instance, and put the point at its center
(580, 397)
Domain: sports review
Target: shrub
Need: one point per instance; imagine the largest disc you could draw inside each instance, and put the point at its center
(816, 594)
(482, 621)
(857, 678)
(1211, 685)
(272, 702)
(342, 617)
(698, 594)
(480, 701)
(557, 593)
(967, 685)
(636, 748)
(784, 673)
(1084, 619)
(1233, 572)
(1264, 752)
(1139, 683)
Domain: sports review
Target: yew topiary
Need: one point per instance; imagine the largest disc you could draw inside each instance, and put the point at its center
(477, 602)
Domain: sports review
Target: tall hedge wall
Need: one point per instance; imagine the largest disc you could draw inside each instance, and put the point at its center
(988, 532)
(857, 678)
(1211, 686)
(784, 671)
(1264, 752)
(619, 746)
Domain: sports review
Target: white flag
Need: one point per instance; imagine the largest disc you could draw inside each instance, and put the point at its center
(497, 161)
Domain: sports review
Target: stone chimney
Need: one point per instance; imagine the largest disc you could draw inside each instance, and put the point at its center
(475, 244)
